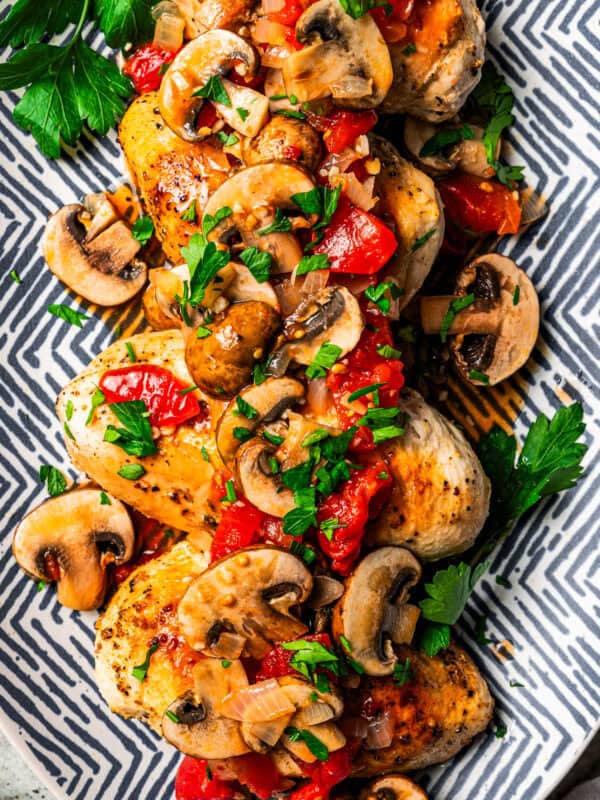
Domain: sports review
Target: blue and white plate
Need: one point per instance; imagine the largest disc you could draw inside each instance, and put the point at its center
(49, 705)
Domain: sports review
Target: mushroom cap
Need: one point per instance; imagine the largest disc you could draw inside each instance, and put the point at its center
(371, 611)
(392, 787)
(260, 486)
(468, 155)
(408, 196)
(104, 270)
(213, 53)
(243, 603)
(344, 58)
(201, 731)
(82, 537)
(269, 399)
(253, 194)
(514, 326)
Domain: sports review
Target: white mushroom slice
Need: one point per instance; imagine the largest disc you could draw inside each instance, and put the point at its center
(244, 286)
(409, 199)
(493, 337)
(330, 315)
(343, 58)
(468, 155)
(392, 787)
(433, 81)
(254, 194)
(440, 496)
(193, 724)
(255, 103)
(327, 733)
(372, 610)
(269, 400)
(249, 594)
(71, 539)
(259, 484)
(210, 55)
(104, 269)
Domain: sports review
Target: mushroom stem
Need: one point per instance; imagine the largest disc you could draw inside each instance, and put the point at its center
(482, 316)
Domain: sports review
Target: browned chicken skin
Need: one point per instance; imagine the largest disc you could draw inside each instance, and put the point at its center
(435, 714)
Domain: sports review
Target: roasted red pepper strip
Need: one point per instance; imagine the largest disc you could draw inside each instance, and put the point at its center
(276, 663)
(324, 775)
(144, 67)
(157, 387)
(359, 500)
(194, 782)
(258, 773)
(365, 367)
(480, 205)
(356, 242)
(341, 128)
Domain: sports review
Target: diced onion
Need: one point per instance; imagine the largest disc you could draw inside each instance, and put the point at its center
(164, 7)
(275, 55)
(335, 163)
(168, 33)
(261, 702)
(315, 281)
(354, 190)
(380, 732)
(267, 733)
(267, 32)
(313, 714)
(355, 727)
(318, 397)
(289, 295)
(229, 646)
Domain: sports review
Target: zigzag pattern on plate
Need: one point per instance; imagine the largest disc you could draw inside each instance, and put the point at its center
(49, 704)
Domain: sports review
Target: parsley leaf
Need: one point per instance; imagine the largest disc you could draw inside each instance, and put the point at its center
(434, 637)
(326, 357)
(281, 224)
(27, 20)
(376, 294)
(329, 526)
(312, 263)
(189, 215)
(304, 516)
(204, 262)
(307, 554)
(142, 230)
(358, 8)
(209, 221)
(68, 314)
(131, 471)
(456, 305)
(227, 139)
(104, 499)
(449, 591)
(244, 409)
(140, 672)
(444, 138)
(242, 113)
(403, 672)
(213, 89)
(321, 201)
(258, 262)
(418, 243)
(97, 399)
(54, 480)
(316, 746)
(135, 438)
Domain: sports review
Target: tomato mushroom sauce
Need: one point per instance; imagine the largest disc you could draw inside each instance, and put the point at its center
(280, 529)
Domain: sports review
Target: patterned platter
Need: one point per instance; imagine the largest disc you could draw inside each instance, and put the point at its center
(49, 705)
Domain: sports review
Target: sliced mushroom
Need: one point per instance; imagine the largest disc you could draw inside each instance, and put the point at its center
(254, 194)
(193, 724)
(331, 315)
(373, 612)
(263, 488)
(409, 201)
(284, 139)
(343, 58)
(269, 400)
(493, 337)
(247, 596)
(71, 539)
(212, 54)
(468, 155)
(221, 363)
(103, 269)
(392, 787)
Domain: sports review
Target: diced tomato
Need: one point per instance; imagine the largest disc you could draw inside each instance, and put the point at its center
(360, 499)
(356, 241)
(276, 663)
(289, 14)
(479, 204)
(152, 539)
(258, 773)
(242, 525)
(340, 128)
(144, 67)
(364, 367)
(324, 775)
(157, 387)
(393, 23)
(206, 117)
(195, 782)
(292, 152)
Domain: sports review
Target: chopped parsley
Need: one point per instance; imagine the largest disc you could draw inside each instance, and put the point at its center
(227, 139)
(213, 89)
(281, 224)
(501, 581)
(372, 388)
(501, 730)
(244, 409)
(329, 526)
(41, 585)
(189, 389)
(242, 434)
(476, 375)
(204, 454)
(97, 399)
(312, 263)
(516, 685)
(384, 423)
(480, 630)
(409, 49)
(307, 554)
(456, 305)
(304, 516)
(142, 230)
(69, 410)
(68, 314)
(68, 431)
(230, 495)
(202, 332)
(418, 243)
(377, 294)
(170, 715)
(210, 221)
(242, 113)
(54, 480)
(273, 438)
(204, 261)
(516, 295)
(403, 672)
(135, 437)
(13, 274)
(258, 262)
(449, 591)
(358, 8)
(444, 138)
(140, 672)
(321, 201)
(316, 746)
(259, 373)
(226, 664)
(324, 360)
(104, 499)
(286, 112)
(434, 637)
(131, 471)
(130, 352)
(387, 351)
(189, 215)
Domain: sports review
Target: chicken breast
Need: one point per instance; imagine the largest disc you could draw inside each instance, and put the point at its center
(441, 494)
(176, 486)
(168, 172)
(437, 713)
(143, 612)
(433, 81)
